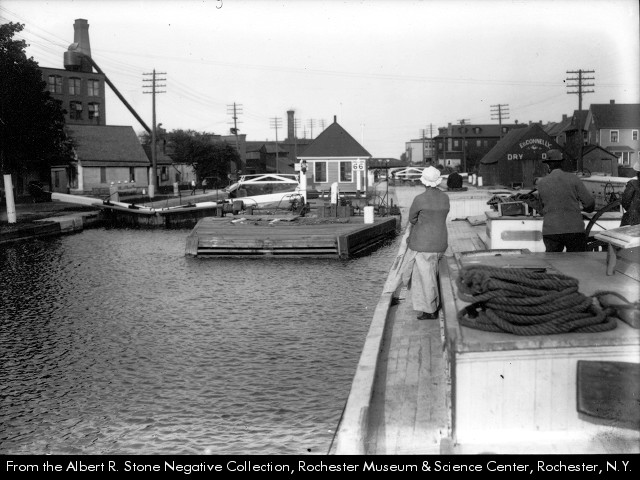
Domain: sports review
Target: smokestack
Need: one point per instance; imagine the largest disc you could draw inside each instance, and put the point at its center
(291, 132)
(73, 57)
(335, 119)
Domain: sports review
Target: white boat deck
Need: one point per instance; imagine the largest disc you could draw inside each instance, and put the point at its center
(401, 398)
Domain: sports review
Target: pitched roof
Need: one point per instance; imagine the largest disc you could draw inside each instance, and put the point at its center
(509, 141)
(578, 121)
(556, 128)
(108, 146)
(161, 158)
(616, 115)
(335, 141)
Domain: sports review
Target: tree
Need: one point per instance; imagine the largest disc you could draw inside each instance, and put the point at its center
(32, 135)
(208, 157)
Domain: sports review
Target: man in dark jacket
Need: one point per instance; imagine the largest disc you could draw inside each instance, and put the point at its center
(563, 198)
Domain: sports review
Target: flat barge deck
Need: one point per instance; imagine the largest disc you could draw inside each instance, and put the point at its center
(288, 236)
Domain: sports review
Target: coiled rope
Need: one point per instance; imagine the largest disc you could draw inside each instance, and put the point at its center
(523, 301)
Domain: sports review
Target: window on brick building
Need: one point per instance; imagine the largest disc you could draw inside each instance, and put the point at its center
(94, 111)
(74, 86)
(55, 83)
(75, 110)
(93, 88)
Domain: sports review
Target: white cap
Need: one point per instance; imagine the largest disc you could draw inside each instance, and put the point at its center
(431, 177)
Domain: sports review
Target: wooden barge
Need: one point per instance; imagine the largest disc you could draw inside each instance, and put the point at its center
(441, 387)
(288, 236)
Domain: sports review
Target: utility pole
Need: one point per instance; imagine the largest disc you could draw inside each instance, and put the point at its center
(296, 125)
(154, 162)
(276, 122)
(311, 123)
(580, 85)
(235, 110)
(500, 111)
(463, 130)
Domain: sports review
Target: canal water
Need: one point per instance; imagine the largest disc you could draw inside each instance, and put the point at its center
(114, 342)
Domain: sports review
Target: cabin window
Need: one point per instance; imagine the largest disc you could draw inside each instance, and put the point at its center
(75, 110)
(74, 86)
(55, 84)
(164, 174)
(56, 179)
(93, 88)
(103, 174)
(346, 171)
(456, 143)
(634, 135)
(613, 136)
(320, 172)
(478, 143)
(132, 174)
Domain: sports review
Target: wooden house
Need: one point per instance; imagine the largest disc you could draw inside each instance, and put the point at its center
(335, 156)
(106, 155)
(516, 160)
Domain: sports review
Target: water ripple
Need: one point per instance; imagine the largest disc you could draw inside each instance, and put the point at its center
(114, 342)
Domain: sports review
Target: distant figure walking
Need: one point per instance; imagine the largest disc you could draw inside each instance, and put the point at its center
(193, 186)
(204, 185)
(630, 200)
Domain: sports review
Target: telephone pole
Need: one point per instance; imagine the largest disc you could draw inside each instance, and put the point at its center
(423, 133)
(311, 123)
(235, 110)
(500, 111)
(463, 129)
(580, 79)
(276, 122)
(154, 163)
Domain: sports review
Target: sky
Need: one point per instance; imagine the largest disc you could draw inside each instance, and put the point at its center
(388, 71)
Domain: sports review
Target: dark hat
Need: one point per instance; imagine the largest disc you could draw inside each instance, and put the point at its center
(553, 155)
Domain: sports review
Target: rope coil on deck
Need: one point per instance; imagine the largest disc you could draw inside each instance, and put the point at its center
(523, 301)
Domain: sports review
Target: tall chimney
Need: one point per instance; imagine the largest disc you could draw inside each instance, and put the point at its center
(291, 132)
(73, 57)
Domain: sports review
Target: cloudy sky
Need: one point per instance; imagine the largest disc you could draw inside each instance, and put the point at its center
(390, 71)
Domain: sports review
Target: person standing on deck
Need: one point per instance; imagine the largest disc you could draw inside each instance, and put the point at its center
(454, 181)
(426, 244)
(630, 200)
(563, 197)
(193, 186)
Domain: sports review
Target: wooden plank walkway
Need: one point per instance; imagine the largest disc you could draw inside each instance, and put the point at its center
(399, 399)
(288, 236)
